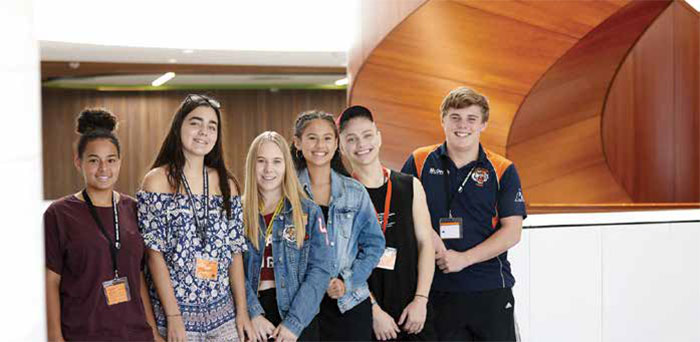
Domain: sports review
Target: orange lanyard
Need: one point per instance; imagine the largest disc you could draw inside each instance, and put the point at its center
(387, 199)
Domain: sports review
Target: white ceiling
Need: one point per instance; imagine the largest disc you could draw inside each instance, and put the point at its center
(241, 32)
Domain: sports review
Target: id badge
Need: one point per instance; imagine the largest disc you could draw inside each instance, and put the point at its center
(207, 269)
(116, 291)
(451, 228)
(388, 259)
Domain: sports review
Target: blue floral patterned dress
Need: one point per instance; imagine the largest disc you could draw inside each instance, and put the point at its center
(167, 224)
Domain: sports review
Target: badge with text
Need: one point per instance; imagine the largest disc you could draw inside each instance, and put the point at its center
(388, 259)
(116, 291)
(207, 269)
(451, 228)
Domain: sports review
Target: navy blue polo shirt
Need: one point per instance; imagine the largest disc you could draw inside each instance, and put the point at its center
(492, 192)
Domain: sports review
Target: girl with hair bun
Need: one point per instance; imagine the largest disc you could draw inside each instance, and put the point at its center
(95, 288)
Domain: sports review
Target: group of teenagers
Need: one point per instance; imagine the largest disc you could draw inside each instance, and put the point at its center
(303, 251)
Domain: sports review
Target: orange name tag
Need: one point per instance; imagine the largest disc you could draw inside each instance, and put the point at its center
(207, 269)
(116, 291)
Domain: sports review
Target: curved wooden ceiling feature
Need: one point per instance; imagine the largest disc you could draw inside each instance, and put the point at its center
(498, 48)
(651, 121)
(386, 15)
(556, 138)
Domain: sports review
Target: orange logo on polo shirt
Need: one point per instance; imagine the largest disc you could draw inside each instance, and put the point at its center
(480, 176)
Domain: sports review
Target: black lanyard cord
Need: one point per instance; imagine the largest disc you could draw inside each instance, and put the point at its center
(450, 194)
(114, 246)
(201, 226)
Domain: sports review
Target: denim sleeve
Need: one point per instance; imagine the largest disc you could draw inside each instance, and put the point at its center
(254, 307)
(370, 244)
(308, 298)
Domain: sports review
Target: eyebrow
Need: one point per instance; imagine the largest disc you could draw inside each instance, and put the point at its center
(96, 156)
(202, 119)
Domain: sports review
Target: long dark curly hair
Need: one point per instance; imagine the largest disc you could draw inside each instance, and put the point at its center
(172, 157)
(303, 120)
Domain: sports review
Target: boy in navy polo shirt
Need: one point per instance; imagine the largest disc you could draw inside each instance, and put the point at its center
(477, 207)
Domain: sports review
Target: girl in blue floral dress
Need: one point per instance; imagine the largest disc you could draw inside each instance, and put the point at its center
(190, 216)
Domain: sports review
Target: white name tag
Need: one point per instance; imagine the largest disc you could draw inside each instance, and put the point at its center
(451, 228)
(388, 259)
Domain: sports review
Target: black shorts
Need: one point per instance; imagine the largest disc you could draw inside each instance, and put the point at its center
(268, 300)
(475, 316)
(353, 325)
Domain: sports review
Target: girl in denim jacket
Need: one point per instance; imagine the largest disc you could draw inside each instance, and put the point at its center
(356, 238)
(287, 266)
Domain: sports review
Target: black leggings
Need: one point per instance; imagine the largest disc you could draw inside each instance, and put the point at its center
(268, 301)
(353, 325)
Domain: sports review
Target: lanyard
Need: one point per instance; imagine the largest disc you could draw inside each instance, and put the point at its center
(451, 195)
(387, 199)
(201, 228)
(115, 246)
(272, 220)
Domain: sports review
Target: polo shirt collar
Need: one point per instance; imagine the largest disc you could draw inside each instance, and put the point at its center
(481, 158)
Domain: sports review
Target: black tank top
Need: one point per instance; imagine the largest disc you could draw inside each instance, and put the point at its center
(393, 290)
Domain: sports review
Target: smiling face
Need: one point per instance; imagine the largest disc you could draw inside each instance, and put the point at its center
(269, 169)
(199, 131)
(463, 127)
(360, 141)
(99, 165)
(318, 143)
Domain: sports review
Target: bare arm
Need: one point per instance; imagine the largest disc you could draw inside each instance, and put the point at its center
(166, 294)
(148, 308)
(424, 236)
(53, 306)
(237, 279)
(502, 240)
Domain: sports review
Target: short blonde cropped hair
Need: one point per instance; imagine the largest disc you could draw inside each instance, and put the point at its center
(463, 97)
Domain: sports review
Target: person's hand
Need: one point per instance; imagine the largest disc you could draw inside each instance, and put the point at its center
(176, 329)
(413, 316)
(56, 337)
(452, 261)
(282, 334)
(439, 245)
(383, 325)
(244, 326)
(262, 328)
(336, 288)
(157, 337)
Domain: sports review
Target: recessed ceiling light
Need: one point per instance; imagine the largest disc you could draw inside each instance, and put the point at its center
(172, 60)
(162, 79)
(342, 82)
(188, 51)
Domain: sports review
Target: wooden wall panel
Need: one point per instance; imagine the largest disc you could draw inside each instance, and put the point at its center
(445, 44)
(650, 124)
(377, 19)
(687, 109)
(145, 118)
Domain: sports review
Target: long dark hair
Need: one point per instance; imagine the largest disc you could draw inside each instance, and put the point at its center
(93, 124)
(171, 155)
(303, 120)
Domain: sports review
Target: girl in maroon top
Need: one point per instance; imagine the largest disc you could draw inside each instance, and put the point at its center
(94, 252)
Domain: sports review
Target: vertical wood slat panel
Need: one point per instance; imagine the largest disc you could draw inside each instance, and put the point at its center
(652, 118)
(687, 109)
(144, 119)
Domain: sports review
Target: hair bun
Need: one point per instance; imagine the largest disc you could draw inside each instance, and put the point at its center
(91, 119)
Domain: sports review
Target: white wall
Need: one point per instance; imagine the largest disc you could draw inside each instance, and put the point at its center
(621, 282)
(21, 245)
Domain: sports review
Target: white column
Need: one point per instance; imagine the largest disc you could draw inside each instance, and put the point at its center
(21, 245)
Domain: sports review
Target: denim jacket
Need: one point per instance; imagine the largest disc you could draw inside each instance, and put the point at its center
(355, 234)
(301, 275)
